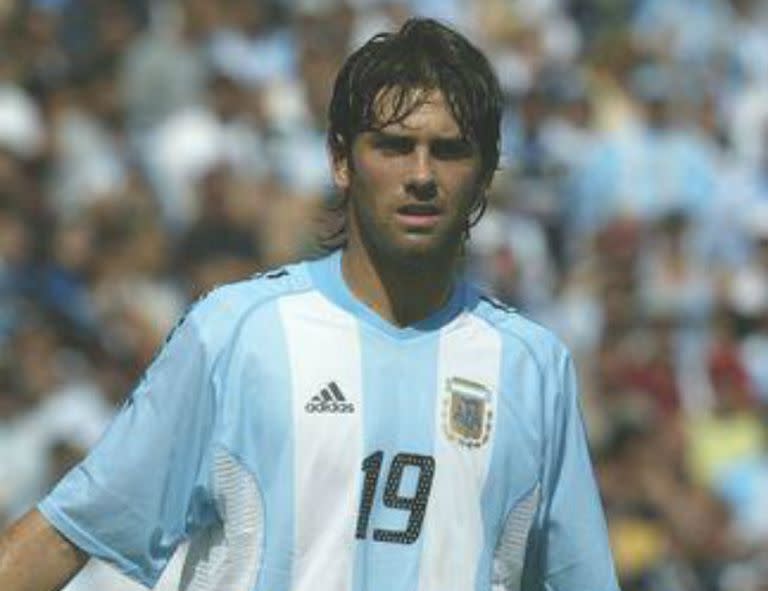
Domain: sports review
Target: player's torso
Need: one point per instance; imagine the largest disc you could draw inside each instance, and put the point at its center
(371, 462)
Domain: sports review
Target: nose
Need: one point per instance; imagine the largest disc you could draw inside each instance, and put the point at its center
(421, 178)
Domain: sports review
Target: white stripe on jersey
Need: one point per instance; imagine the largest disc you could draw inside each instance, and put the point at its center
(324, 347)
(227, 557)
(450, 558)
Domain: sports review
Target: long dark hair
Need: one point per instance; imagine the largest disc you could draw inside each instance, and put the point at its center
(423, 55)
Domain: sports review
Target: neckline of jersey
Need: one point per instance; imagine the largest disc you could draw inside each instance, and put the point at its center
(328, 278)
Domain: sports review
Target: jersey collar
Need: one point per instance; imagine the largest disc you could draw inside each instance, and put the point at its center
(328, 279)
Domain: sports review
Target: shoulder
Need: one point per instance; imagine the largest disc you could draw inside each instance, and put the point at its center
(216, 315)
(534, 359)
(519, 332)
(259, 289)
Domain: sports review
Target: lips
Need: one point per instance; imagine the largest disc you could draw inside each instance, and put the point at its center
(418, 209)
(418, 215)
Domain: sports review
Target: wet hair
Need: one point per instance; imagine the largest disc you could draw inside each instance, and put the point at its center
(424, 55)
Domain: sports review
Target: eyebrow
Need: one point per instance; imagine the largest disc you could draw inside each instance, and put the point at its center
(456, 140)
(381, 134)
(451, 141)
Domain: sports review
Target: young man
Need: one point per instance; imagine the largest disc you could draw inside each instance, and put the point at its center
(366, 421)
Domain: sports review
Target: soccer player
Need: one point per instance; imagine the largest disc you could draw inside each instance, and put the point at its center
(365, 421)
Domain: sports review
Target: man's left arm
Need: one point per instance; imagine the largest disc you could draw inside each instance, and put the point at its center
(572, 539)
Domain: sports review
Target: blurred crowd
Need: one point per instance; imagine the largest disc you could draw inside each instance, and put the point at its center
(150, 150)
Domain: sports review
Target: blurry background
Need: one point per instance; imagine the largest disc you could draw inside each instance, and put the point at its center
(151, 150)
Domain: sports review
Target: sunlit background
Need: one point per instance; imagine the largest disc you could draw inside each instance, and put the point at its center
(150, 150)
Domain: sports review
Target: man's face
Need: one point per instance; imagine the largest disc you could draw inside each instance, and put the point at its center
(411, 185)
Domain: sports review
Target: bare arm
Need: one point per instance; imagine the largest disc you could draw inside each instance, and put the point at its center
(36, 557)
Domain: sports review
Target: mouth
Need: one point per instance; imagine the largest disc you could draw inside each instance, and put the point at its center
(418, 215)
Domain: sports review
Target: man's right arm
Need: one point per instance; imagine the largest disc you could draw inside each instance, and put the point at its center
(107, 506)
(34, 556)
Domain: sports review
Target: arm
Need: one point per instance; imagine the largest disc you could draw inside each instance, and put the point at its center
(571, 534)
(36, 557)
(145, 486)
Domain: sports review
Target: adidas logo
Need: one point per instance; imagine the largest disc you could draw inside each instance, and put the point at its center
(330, 400)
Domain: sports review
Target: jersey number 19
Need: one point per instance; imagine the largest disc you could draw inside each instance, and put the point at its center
(416, 505)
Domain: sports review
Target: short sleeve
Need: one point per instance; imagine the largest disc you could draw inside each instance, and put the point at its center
(144, 487)
(570, 536)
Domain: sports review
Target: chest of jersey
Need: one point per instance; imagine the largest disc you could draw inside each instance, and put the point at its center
(378, 458)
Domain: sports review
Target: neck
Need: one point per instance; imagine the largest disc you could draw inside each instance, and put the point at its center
(400, 295)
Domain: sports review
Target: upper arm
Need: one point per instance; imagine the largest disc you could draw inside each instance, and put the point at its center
(34, 556)
(572, 536)
(144, 487)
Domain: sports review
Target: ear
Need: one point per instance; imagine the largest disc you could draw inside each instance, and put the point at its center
(340, 171)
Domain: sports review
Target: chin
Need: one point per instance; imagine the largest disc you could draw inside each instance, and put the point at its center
(422, 254)
(415, 251)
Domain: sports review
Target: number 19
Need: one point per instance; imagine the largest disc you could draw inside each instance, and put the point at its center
(416, 505)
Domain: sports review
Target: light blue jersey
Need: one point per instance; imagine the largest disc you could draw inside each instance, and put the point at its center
(303, 443)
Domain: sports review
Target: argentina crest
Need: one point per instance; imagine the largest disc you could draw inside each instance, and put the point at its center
(467, 414)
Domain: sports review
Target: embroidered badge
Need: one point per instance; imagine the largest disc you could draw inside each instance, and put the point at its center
(467, 413)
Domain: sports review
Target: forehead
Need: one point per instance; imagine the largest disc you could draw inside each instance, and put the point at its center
(425, 111)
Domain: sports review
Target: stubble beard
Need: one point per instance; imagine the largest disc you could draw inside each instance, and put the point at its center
(388, 250)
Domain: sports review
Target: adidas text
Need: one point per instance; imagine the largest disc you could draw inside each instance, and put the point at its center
(338, 407)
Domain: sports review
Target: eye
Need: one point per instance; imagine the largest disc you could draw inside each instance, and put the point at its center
(393, 145)
(452, 149)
